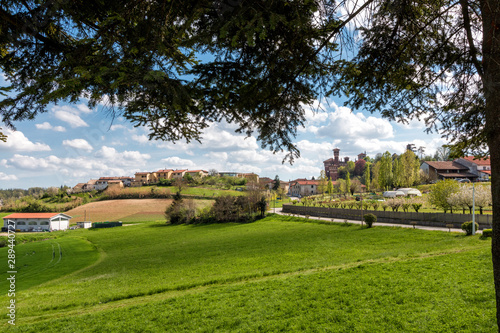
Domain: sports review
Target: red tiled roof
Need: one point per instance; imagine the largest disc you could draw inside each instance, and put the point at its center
(485, 171)
(307, 182)
(165, 170)
(446, 165)
(31, 215)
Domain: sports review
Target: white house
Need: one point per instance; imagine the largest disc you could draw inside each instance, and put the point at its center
(303, 187)
(37, 221)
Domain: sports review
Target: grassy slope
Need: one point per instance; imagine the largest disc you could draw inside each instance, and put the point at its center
(48, 259)
(275, 274)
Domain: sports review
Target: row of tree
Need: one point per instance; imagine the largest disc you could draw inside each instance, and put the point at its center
(448, 194)
(386, 172)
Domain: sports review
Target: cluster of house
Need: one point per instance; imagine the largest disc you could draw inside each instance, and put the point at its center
(462, 169)
(466, 168)
(149, 178)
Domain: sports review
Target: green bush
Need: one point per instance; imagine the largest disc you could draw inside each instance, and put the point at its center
(487, 233)
(180, 212)
(369, 219)
(467, 227)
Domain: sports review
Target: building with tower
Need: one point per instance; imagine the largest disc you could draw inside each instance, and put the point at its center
(332, 165)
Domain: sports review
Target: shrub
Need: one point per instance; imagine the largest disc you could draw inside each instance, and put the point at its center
(369, 219)
(467, 227)
(487, 233)
(180, 211)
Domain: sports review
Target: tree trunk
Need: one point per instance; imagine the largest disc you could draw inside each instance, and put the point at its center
(490, 10)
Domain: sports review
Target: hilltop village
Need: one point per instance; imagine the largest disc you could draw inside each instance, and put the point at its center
(335, 169)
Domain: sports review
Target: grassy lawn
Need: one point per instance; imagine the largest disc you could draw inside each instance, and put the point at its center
(3, 214)
(277, 274)
(170, 190)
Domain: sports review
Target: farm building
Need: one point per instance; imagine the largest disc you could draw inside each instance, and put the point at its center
(37, 221)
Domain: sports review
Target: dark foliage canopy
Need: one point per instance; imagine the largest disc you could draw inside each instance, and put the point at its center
(172, 66)
(422, 59)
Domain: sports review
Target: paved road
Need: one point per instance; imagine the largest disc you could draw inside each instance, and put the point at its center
(278, 211)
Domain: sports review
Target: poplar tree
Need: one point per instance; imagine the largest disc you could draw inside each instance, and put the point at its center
(366, 176)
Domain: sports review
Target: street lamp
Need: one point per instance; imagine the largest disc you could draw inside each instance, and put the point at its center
(473, 210)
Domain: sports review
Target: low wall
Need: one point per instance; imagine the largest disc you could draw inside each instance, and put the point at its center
(427, 219)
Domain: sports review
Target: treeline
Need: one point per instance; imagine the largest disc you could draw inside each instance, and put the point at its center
(42, 200)
(394, 204)
(220, 182)
(386, 171)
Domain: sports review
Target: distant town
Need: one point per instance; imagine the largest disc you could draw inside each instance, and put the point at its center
(364, 172)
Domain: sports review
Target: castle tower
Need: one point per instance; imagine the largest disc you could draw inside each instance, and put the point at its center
(336, 153)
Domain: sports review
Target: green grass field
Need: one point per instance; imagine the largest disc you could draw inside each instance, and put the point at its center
(277, 274)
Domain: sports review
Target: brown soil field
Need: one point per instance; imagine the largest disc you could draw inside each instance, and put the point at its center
(126, 210)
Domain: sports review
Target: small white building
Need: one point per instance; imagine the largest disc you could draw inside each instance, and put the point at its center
(37, 221)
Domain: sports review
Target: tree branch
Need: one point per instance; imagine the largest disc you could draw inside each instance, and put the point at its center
(473, 50)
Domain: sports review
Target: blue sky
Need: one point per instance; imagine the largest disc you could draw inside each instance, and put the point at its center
(72, 143)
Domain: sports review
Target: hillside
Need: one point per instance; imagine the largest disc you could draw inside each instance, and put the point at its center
(278, 274)
(126, 210)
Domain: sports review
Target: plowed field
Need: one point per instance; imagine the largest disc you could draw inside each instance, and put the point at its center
(126, 210)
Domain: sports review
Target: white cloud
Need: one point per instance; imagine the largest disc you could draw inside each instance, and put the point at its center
(243, 167)
(344, 124)
(83, 108)
(117, 127)
(111, 156)
(71, 115)
(178, 162)
(249, 156)
(6, 177)
(140, 138)
(217, 156)
(72, 119)
(30, 163)
(17, 141)
(374, 146)
(78, 144)
(315, 116)
(82, 168)
(309, 147)
(48, 126)
(217, 139)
